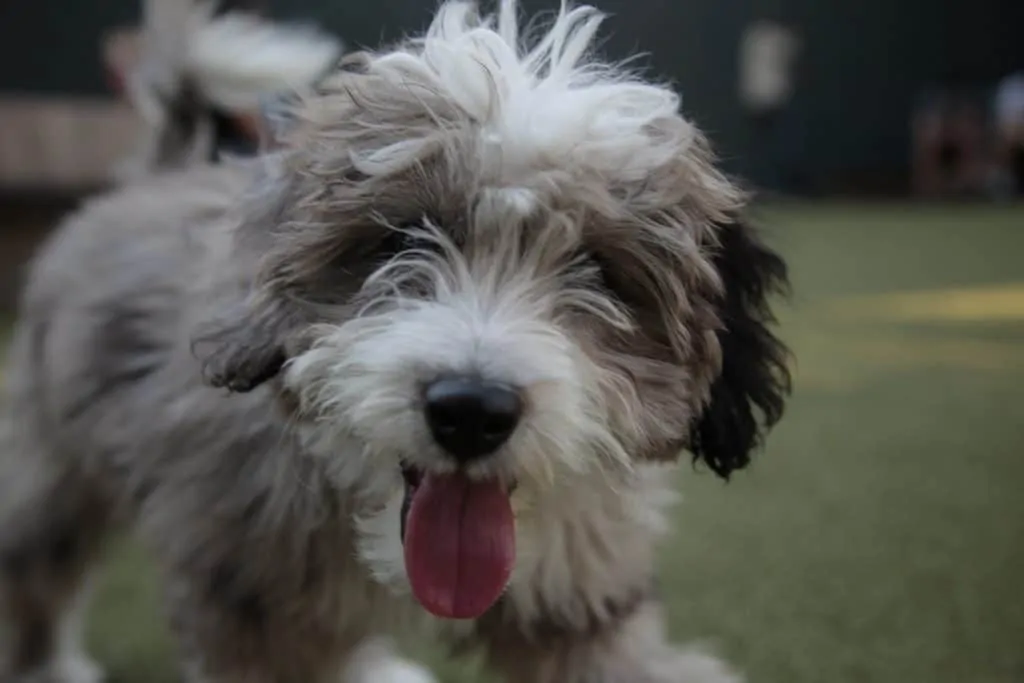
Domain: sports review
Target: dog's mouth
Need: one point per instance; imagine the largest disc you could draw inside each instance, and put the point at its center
(459, 540)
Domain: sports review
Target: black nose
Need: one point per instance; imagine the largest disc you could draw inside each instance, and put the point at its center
(471, 418)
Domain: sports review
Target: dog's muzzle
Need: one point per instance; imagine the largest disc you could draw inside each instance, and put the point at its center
(458, 531)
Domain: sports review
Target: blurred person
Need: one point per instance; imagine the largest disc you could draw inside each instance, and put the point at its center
(1009, 133)
(768, 53)
(948, 138)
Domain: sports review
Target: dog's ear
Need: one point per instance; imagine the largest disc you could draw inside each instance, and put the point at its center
(242, 335)
(748, 396)
(247, 345)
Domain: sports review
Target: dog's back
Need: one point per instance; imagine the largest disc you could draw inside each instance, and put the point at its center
(99, 369)
(105, 416)
(114, 280)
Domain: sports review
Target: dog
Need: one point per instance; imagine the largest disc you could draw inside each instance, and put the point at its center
(432, 359)
(198, 70)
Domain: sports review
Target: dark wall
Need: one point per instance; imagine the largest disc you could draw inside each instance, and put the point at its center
(867, 62)
(863, 65)
(53, 46)
(688, 42)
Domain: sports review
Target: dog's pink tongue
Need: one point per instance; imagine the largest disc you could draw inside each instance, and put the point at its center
(459, 545)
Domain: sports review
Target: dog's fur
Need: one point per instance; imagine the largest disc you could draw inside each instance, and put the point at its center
(457, 203)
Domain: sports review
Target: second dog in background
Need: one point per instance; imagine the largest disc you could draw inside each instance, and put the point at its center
(196, 72)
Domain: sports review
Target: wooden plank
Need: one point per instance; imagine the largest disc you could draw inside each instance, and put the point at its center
(63, 142)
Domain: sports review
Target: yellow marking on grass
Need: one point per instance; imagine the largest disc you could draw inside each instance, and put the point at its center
(844, 358)
(970, 354)
(1002, 303)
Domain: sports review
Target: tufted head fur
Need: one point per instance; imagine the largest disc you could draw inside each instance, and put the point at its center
(477, 202)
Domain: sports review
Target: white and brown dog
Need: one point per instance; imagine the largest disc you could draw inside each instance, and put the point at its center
(434, 354)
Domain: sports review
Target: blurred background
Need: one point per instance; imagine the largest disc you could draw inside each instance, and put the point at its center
(881, 536)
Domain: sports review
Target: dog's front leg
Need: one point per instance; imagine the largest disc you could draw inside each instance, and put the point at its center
(631, 649)
(229, 635)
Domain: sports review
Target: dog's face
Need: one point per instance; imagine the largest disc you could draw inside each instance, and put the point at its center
(490, 277)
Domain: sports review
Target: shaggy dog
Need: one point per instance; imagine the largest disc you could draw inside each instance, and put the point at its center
(430, 359)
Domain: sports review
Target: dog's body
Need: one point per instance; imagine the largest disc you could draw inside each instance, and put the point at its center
(254, 523)
(432, 292)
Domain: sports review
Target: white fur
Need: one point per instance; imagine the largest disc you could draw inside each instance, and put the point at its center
(362, 377)
(549, 107)
(377, 662)
(587, 541)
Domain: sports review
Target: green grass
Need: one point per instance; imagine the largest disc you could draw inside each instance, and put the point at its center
(881, 536)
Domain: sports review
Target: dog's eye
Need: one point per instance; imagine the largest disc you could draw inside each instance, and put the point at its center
(595, 269)
(612, 280)
(405, 238)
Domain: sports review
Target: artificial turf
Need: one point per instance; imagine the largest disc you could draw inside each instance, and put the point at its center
(880, 537)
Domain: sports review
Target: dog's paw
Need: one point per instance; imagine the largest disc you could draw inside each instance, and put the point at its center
(401, 671)
(243, 371)
(378, 662)
(67, 669)
(78, 669)
(692, 665)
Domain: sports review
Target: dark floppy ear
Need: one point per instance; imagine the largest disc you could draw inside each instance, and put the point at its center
(246, 346)
(749, 394)
(243, 333)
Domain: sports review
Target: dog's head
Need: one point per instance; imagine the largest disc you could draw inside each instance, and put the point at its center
(494, 269)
